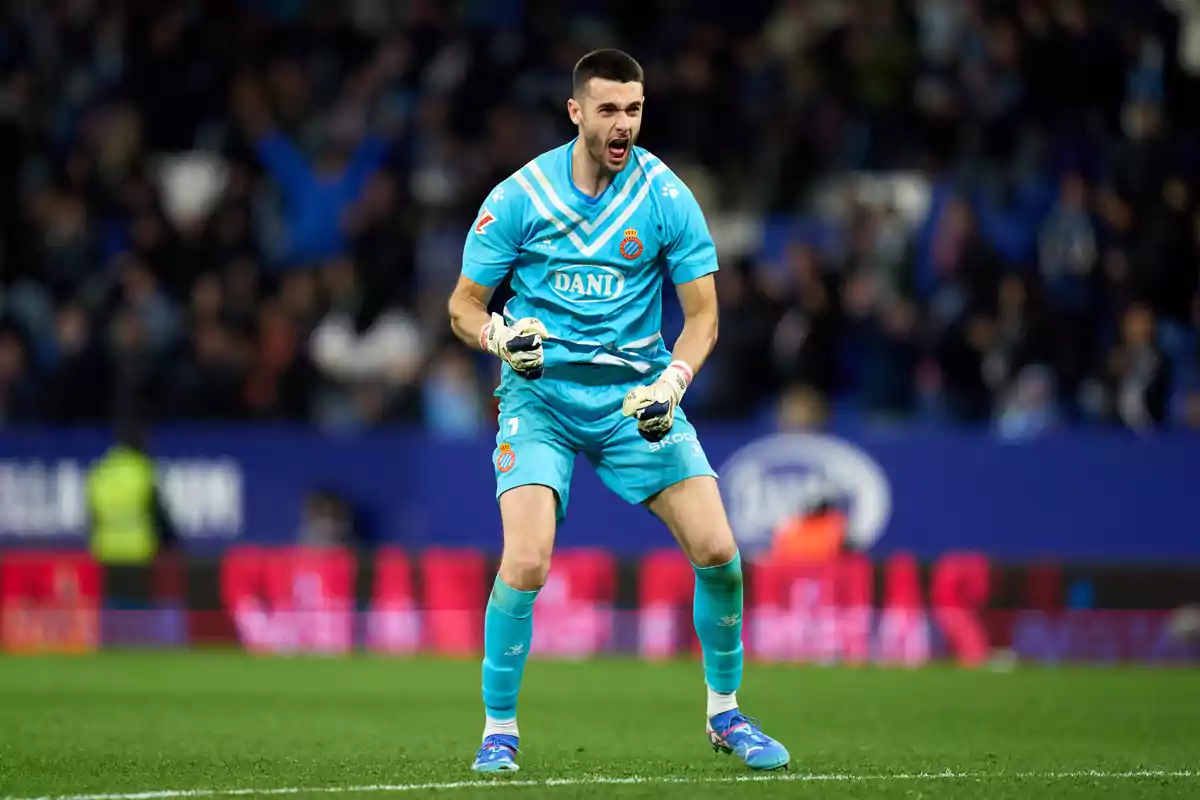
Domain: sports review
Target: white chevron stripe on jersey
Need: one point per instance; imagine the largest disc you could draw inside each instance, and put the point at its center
(523, 182)
(619, 222)
(649, 340)
(608, 359)
(595, 245)
(613, 205)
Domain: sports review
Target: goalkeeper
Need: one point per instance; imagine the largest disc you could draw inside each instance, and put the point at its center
(589, 230)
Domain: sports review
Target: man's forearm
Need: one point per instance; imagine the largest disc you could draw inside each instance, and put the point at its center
(467, 318)
(696, 341)
(654, 404)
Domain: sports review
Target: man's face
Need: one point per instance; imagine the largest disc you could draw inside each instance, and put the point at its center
(609, 116)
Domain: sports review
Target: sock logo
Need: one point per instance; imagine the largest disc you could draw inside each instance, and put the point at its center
(729, 621)
(515, 650)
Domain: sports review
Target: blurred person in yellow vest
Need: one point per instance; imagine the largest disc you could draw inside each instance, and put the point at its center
(128, 522)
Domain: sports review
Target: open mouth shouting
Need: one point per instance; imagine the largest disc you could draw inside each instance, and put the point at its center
(618, 149)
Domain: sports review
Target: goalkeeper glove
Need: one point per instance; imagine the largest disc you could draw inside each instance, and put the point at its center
(654, 406)
(520, 346)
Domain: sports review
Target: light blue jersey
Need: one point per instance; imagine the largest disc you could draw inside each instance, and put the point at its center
(592, 270)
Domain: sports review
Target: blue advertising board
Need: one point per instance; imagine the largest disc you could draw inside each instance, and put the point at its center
(1080, 497)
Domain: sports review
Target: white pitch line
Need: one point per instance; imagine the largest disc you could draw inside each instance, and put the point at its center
(500, 782)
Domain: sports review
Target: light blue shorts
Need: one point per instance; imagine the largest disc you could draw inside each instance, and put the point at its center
(545, 424)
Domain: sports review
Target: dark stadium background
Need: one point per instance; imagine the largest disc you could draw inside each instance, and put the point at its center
(954, 403)
(960, 249)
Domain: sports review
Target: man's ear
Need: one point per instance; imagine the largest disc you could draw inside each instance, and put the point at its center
(573, 110)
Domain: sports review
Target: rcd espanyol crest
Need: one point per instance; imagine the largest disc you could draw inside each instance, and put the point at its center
(778, 477)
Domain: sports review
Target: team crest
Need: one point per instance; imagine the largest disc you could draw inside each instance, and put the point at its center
(631, 245)
(485, 219)
(506, 459)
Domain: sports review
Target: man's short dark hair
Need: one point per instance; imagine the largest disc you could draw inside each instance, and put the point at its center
(609, 65)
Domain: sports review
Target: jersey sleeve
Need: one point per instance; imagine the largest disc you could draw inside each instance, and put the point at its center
(495, 237)
(690, 252)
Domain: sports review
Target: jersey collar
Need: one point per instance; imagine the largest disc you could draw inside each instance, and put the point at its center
(583, 196)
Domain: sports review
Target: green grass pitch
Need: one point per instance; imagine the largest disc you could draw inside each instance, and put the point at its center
(197, 724)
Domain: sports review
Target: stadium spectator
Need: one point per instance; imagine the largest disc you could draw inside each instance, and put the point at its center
(805, 341)
(317, 195)
(740, 375)
(128, 522)
(279, 379)
(18, 398)
(255, 210)
(1138, 373)
(204, 378)
(327, 520)
(880, 347)
(451, 401)
(368, 354)
(75, 388)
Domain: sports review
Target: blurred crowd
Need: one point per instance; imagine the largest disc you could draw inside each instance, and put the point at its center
(255, 209)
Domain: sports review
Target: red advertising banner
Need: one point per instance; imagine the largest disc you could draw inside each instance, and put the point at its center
(1101, 637)
(903, 636)
(845, 610)
(958, 590)
(665, 586)
(819, 613)
(573, 614)
(289, 600)
(826, 611)
(456, 585)
(393, 623)
(49, 602)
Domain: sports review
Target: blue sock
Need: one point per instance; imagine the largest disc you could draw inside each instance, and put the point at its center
(717, 614)
(507, 632)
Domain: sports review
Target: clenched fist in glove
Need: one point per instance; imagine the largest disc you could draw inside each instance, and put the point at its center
(519, 345)
(654, 406)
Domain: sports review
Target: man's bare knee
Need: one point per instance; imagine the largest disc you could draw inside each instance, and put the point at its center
(525, 571)
(712, 551)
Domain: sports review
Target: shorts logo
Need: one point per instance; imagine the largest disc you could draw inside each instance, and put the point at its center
(631, 245)
(486, 218)
(674, 439)
(507, 459)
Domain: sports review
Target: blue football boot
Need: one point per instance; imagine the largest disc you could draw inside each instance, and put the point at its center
(730, 732)
(496, 754)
